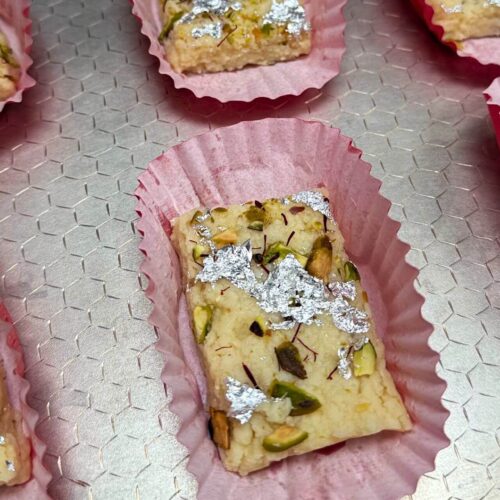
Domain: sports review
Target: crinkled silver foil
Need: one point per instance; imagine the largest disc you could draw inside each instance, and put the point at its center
(314, 199)
(210, 29)
(291, 291)
(231, 262)
(2, 440)
(243, 398)
(215, 7)
(289, 13)
(348, 318)
(288, 290)
(203, 217)
(345, 289)
(344, 364)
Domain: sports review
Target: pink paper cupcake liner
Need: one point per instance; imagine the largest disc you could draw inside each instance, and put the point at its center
(286, 78)
(18, 387)
(484, 50)
(16, 26)
(274, 157)
(492, 96)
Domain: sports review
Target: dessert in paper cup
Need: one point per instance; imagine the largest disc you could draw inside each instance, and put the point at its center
(241, 50)
(492, 95)
(470, 27)
(287, 383)
(15, 44)
(22, 474)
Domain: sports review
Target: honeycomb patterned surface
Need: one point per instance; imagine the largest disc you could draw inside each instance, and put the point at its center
(70, 155)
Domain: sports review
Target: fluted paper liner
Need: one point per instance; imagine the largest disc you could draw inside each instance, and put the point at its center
(247, 84)
(492, 95)
(15, 24)
(275, 157)
(484, 50)
(18, 387)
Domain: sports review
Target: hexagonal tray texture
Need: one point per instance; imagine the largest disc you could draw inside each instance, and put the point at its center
(69, 158)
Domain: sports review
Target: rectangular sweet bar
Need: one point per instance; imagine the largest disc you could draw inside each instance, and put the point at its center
(463, 19)
(292, 359)
(217, 35)
(9, 70)
(15, 461)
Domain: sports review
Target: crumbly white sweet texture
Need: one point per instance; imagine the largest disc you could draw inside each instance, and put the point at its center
(9, 70)
(15, 461)
(463, 19)
(350, 406)
(203, 36)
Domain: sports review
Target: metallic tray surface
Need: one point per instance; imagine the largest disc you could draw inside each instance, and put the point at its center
(69, 261)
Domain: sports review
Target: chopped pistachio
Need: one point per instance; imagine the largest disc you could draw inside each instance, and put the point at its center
(289, 359)
(256, 225)
(319, 263)
(227, 237)
(219, 427)
(350, 272)
(364, 360)
(202, 320)
(199, 252)
(284, 437)
(302, 401)
(278, 251)
(266, 29)
(218, 210)
(167, 28)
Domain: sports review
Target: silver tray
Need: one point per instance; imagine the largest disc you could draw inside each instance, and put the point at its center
(69, 158)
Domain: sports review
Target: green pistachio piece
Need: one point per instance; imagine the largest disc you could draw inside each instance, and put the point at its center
(289, 359)
(202, 322)
(255, 213)
(284, 437)
(6, 55)
(199, 253)
(266, 29)
(350, 272)
(256, 225)
(365, 360)
(169, 25)
(278, 251)
(302, 401)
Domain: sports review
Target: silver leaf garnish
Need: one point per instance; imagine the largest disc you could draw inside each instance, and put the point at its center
(210, 29)
(10, 466)
(215, 7)
(291, 291)
(344, 364)
(345, 289)
(288, 290)
(2, 440)
(315, 200)
(289, 13)
(231, 262)
(243, 398)
(348, 318)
